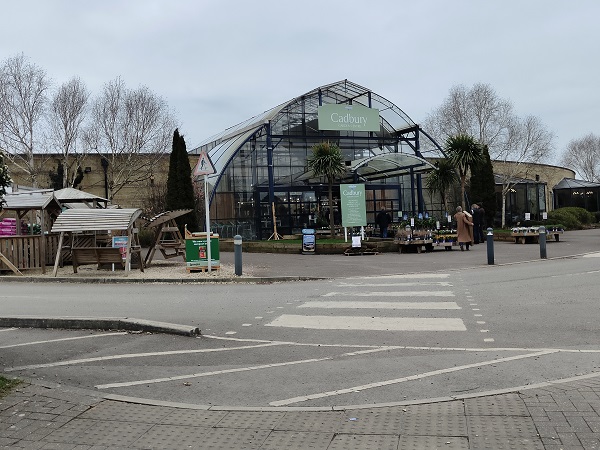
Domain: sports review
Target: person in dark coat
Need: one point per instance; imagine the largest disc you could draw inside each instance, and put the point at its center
(383, 219)
(478, 223)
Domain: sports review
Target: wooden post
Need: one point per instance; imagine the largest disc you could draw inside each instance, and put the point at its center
(10, 265)
(58, 253)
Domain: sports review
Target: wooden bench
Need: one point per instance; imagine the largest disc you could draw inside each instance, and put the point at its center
(96, 255)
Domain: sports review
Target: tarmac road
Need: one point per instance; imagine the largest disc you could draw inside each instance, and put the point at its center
(409, 334)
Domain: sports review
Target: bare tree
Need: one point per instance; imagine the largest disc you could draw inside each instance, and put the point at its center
(66, 115)
(490, 120)
(132, 130)
(583, 155)
(476, 112)
(526, 141)
(23, 101)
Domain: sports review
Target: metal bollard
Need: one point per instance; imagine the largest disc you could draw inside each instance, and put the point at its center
(542, 240)
(237, 252)
(490, 246)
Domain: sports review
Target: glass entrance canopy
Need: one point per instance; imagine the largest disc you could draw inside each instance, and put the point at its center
(262, 175)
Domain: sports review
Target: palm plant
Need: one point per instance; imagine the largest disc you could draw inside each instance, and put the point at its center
(463, 152)
(441, 179)
(327, 160)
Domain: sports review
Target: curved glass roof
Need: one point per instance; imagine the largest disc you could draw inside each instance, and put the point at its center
(395, 124)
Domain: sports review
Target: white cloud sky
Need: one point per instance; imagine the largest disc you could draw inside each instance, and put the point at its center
(219, 62)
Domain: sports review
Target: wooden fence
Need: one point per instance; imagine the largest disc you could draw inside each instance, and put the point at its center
(26, 252)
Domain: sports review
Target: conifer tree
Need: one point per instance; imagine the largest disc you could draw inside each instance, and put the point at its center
(4, 179)
(180, 190)
(483, 186)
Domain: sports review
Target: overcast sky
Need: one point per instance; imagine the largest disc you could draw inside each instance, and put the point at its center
(219, 62)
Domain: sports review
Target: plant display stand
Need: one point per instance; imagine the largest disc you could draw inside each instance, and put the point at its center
(531, 235)
(445, 239)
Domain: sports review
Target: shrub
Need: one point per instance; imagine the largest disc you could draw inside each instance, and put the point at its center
(597, 215)
(146, 237)
(583, 215)
(571, 217)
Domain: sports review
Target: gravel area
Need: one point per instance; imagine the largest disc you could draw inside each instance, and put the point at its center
(158, 269)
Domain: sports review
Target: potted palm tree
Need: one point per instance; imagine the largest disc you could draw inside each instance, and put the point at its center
(441, 179)
(463, 152)
(327, 160)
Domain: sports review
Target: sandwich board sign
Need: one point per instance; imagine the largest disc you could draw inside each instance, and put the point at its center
(204, 165)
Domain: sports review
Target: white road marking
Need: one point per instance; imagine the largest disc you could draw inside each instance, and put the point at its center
(417, 276)
(393, 294)
(239, 369)
(408, 347)
(231, 332)
(8, 329)
(368, 323)
(592, 255)
(363, 387)
(206, 374)
(488, 340)
(49, 341)
(380, 305)
(407, 284)
(136, 355)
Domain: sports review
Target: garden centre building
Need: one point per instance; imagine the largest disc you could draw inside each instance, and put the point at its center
(262, 163)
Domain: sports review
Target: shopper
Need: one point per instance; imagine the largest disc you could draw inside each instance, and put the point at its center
(464, 228)
(383, 219)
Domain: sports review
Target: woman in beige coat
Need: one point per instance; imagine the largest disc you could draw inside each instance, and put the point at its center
(464, 228)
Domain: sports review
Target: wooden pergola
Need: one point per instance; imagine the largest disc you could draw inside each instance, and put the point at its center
(86, 232)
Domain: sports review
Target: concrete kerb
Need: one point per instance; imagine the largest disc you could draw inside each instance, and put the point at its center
(99, 323)
(108, 280)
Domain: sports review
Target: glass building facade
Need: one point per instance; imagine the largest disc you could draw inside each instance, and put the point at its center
(571, 192)
(262, 174)
(523, 196)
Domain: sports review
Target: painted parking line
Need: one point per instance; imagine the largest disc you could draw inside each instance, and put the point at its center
(393, 294)
(363, 387)
(135, 355)
(8, 329)
(50, 341)
(368, 323)
(380, 305)
(241, 369)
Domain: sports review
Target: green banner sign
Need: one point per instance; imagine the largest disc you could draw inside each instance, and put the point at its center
(348, 117)
(354, 206)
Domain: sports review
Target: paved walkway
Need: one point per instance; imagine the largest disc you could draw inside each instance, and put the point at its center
(560, 415)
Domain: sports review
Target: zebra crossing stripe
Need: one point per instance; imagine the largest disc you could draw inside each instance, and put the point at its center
(393, 294)
(368, 323)
(402, 283)
(380, 305)
(417, 276)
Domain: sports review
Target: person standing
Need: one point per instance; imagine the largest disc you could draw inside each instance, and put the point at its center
(463, 228)
(477, 223)
(482, 223)
(383, 219)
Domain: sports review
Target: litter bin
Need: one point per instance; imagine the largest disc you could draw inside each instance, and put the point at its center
(309, 242)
